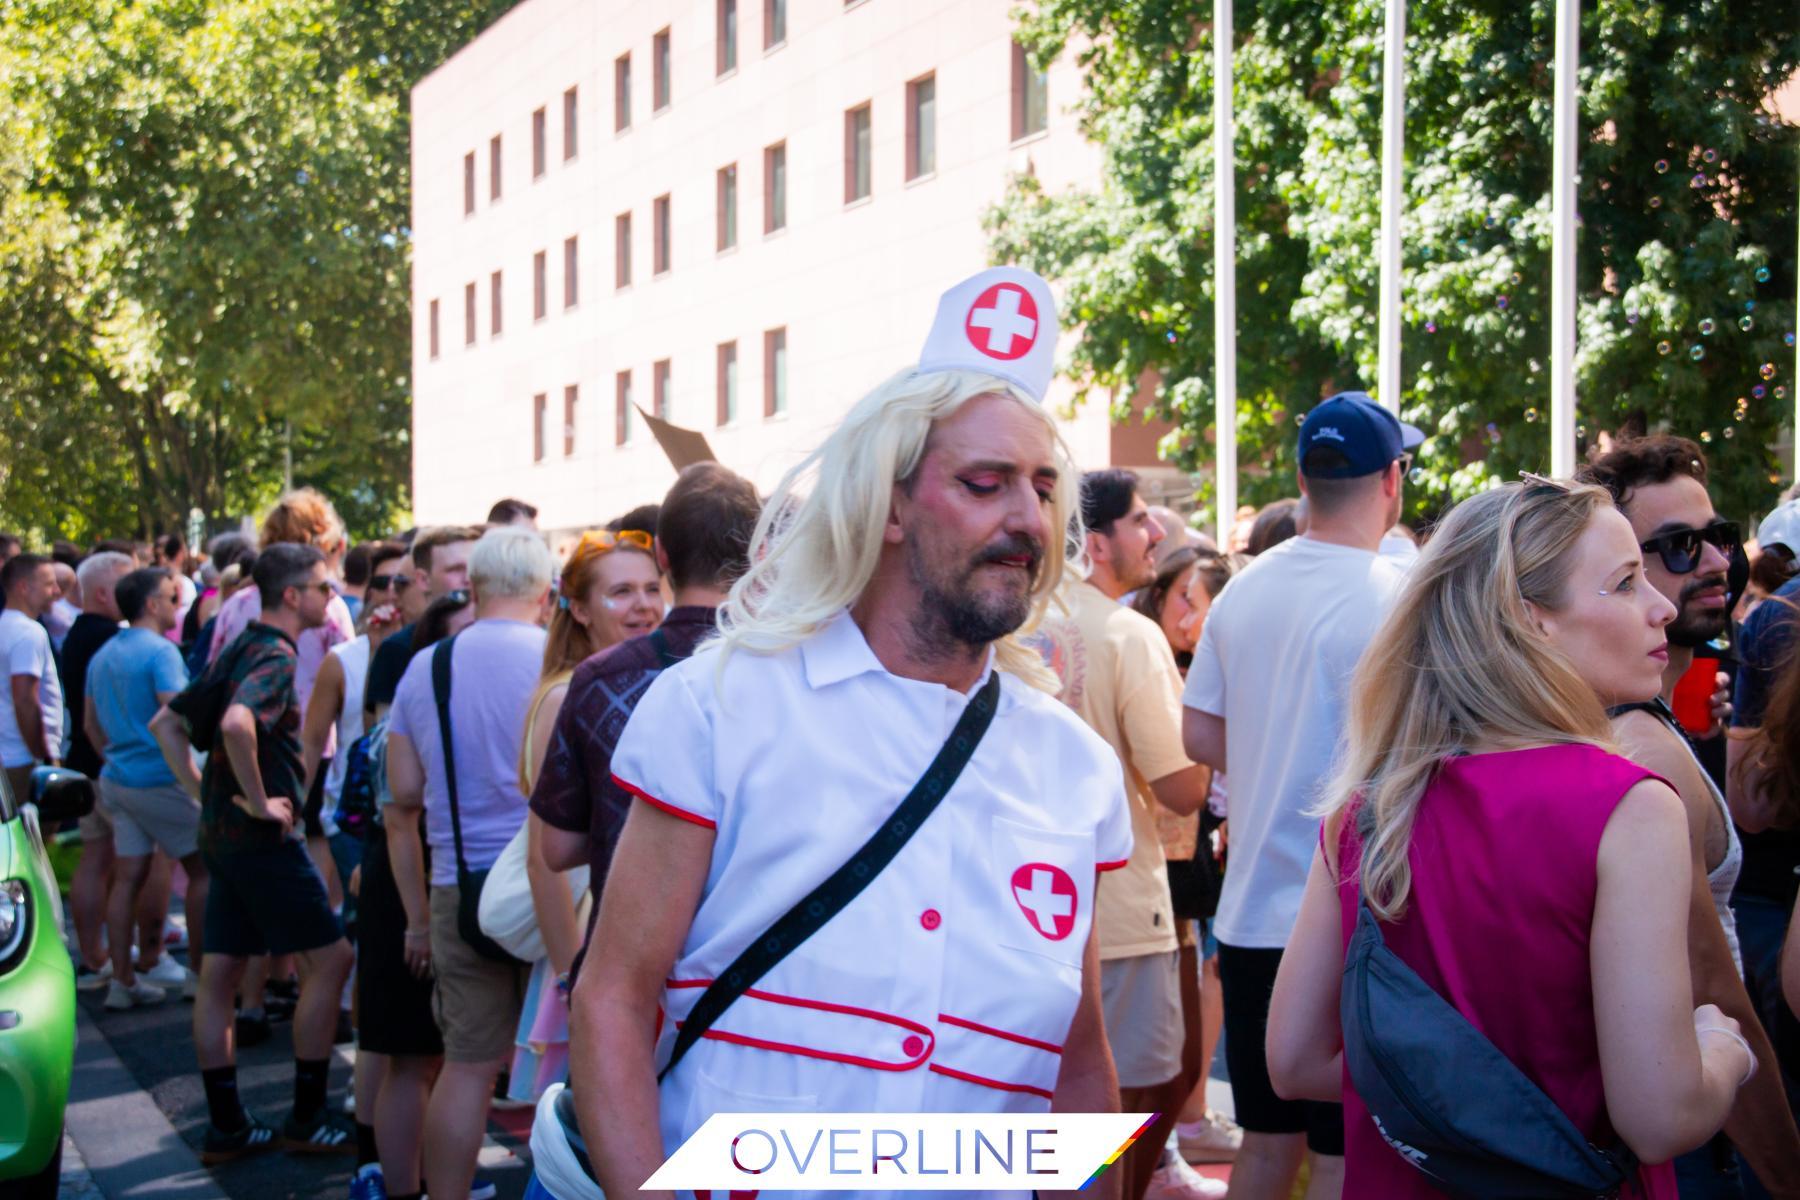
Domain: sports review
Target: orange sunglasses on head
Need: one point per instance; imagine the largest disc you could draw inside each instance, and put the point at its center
(601, 541)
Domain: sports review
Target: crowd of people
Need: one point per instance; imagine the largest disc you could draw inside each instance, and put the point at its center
(906, 789)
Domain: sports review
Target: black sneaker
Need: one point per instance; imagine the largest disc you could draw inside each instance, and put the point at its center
(219, 1146)
(320, 1134)
(252, 1030)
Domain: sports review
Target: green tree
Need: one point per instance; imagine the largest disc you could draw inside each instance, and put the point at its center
(1685, 259)
(203, 254)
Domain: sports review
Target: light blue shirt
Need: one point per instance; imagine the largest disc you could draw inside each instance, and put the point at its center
(123, 681)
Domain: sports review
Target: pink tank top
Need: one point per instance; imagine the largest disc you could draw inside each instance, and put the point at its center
(1503, 856)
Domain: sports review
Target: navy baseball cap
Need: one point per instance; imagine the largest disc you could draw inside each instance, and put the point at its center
(1366, 434)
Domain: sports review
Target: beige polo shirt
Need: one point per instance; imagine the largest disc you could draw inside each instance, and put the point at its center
(1119, 674)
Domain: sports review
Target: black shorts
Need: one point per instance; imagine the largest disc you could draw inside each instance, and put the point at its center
(267, 901)
(393, 1006)
(313, 811)
(1248, 980)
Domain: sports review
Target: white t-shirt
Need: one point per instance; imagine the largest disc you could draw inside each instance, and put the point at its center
(1275, 659)
(25, 648)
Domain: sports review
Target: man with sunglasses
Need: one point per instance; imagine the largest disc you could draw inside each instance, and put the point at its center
(1659, 483)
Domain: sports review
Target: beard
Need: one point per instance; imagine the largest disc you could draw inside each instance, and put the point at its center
(955, 612)
(1694, 626)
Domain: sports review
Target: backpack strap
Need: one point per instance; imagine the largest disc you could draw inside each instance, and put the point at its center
(440, 690)
(847, 882)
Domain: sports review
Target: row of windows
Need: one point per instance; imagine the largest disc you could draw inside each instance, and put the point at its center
(726, 411)
(1030, 112)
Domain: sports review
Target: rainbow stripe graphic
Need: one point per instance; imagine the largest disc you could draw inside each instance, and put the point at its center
(1117, 1154)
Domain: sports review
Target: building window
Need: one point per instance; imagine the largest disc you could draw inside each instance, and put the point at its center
(727, 207)
(571, 399)
(494, 167)
(621, 408)
(774, 371)
(856, 154)
(434, 329)
(540, 137)
(494, 321)
(468, 183)
(571, 274)
(622, 250)
(659, 257)
(774, 23)
(540, 285)
(727, 37)
(469, 314)
(728, 383)
(1030, 96)
(659, 382)
(775, 187)
(539, 403)
(570, 142)
(622, 93)
(659, 71)
(921, 127)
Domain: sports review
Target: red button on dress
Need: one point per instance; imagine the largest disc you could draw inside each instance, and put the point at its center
(912, 1046)
(930, 918)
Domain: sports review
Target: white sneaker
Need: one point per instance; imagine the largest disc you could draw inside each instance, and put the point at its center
(1175, 1180)
(1217, 1140)
(120, 997)
(166, 971)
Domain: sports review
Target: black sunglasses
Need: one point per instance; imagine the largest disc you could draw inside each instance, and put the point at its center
(1680, 550)
(397, 582)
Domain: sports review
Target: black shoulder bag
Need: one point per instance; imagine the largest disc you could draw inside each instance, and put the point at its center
(468, 883)
(847, 882)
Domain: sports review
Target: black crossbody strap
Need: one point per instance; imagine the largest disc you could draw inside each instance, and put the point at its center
(847, 882)
(440, 690)
(660, 644)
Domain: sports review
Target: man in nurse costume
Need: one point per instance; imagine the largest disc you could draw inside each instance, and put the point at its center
(893, 573)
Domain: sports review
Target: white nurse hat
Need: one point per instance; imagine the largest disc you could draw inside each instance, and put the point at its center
(1001, 322)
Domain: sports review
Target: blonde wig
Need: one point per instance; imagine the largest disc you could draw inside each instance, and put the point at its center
(819, 538)
(1459, 663)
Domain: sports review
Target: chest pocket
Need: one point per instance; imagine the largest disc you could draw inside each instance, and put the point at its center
(1043, 889)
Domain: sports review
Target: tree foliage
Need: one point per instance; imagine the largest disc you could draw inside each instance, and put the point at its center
(1686, 198)
(203, 254)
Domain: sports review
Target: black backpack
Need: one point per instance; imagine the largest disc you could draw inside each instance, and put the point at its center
(1447, 1100)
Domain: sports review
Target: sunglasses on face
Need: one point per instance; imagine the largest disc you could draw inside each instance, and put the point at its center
(384, 583)
(1680, 549)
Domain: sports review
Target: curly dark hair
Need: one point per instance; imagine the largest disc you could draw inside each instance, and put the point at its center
(1638, 462)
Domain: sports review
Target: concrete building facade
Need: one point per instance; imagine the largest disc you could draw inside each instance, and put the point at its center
(737, 214)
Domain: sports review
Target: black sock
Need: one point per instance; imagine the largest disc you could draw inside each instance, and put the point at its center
(365, 1145)
(222, 1103)
(309, 1086)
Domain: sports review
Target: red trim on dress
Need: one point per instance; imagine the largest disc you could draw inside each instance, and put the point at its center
(1107, 866)
(1020, 1038)
(1024, 1088)
(929, 1036)
(684, 814)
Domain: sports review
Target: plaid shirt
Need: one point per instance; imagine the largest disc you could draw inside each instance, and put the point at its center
(575, 790)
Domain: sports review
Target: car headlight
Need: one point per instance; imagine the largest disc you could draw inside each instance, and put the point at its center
(15, 921)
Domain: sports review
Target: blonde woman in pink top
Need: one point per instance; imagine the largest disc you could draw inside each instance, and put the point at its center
(1533, 878)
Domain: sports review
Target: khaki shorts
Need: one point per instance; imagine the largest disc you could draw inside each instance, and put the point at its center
(145, 818)
(98, 823)
(1142, 998)
(477, 1000)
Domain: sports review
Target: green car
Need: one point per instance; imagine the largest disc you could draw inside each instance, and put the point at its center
(37, 985)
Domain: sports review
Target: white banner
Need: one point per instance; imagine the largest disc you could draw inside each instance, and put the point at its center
(918, 1152)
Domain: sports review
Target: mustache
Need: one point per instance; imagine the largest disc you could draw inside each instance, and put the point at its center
(1703, 583)
(1014, 546)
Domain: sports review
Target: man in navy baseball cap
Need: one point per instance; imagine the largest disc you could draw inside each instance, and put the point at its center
(1350, 435)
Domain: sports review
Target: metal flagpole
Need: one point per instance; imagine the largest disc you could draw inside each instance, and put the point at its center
(1565, 157)
(1393, 147)
(1224, 279)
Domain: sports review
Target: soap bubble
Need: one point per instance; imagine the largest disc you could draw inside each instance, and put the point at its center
(1698, 181)
(1706, 435)
(1742, 410)
(1759, 391)
(1762, 274)
(1663, 347)
(1662, 166)
(1502, 302)
(1710, 155)
(1767, 370)
(1531, 414)
(1746, 323)
(1749, 306)
(1708, 326)
(1631, 318)
(1781, 393)
(1171, 335)
(1656, 202)
(1788, 337)
(1730, 432)
(1696, 352)
(1416, 475)
(1515, 277)
(1431, 327)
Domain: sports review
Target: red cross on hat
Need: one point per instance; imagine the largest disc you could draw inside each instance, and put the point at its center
(1001, 322)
